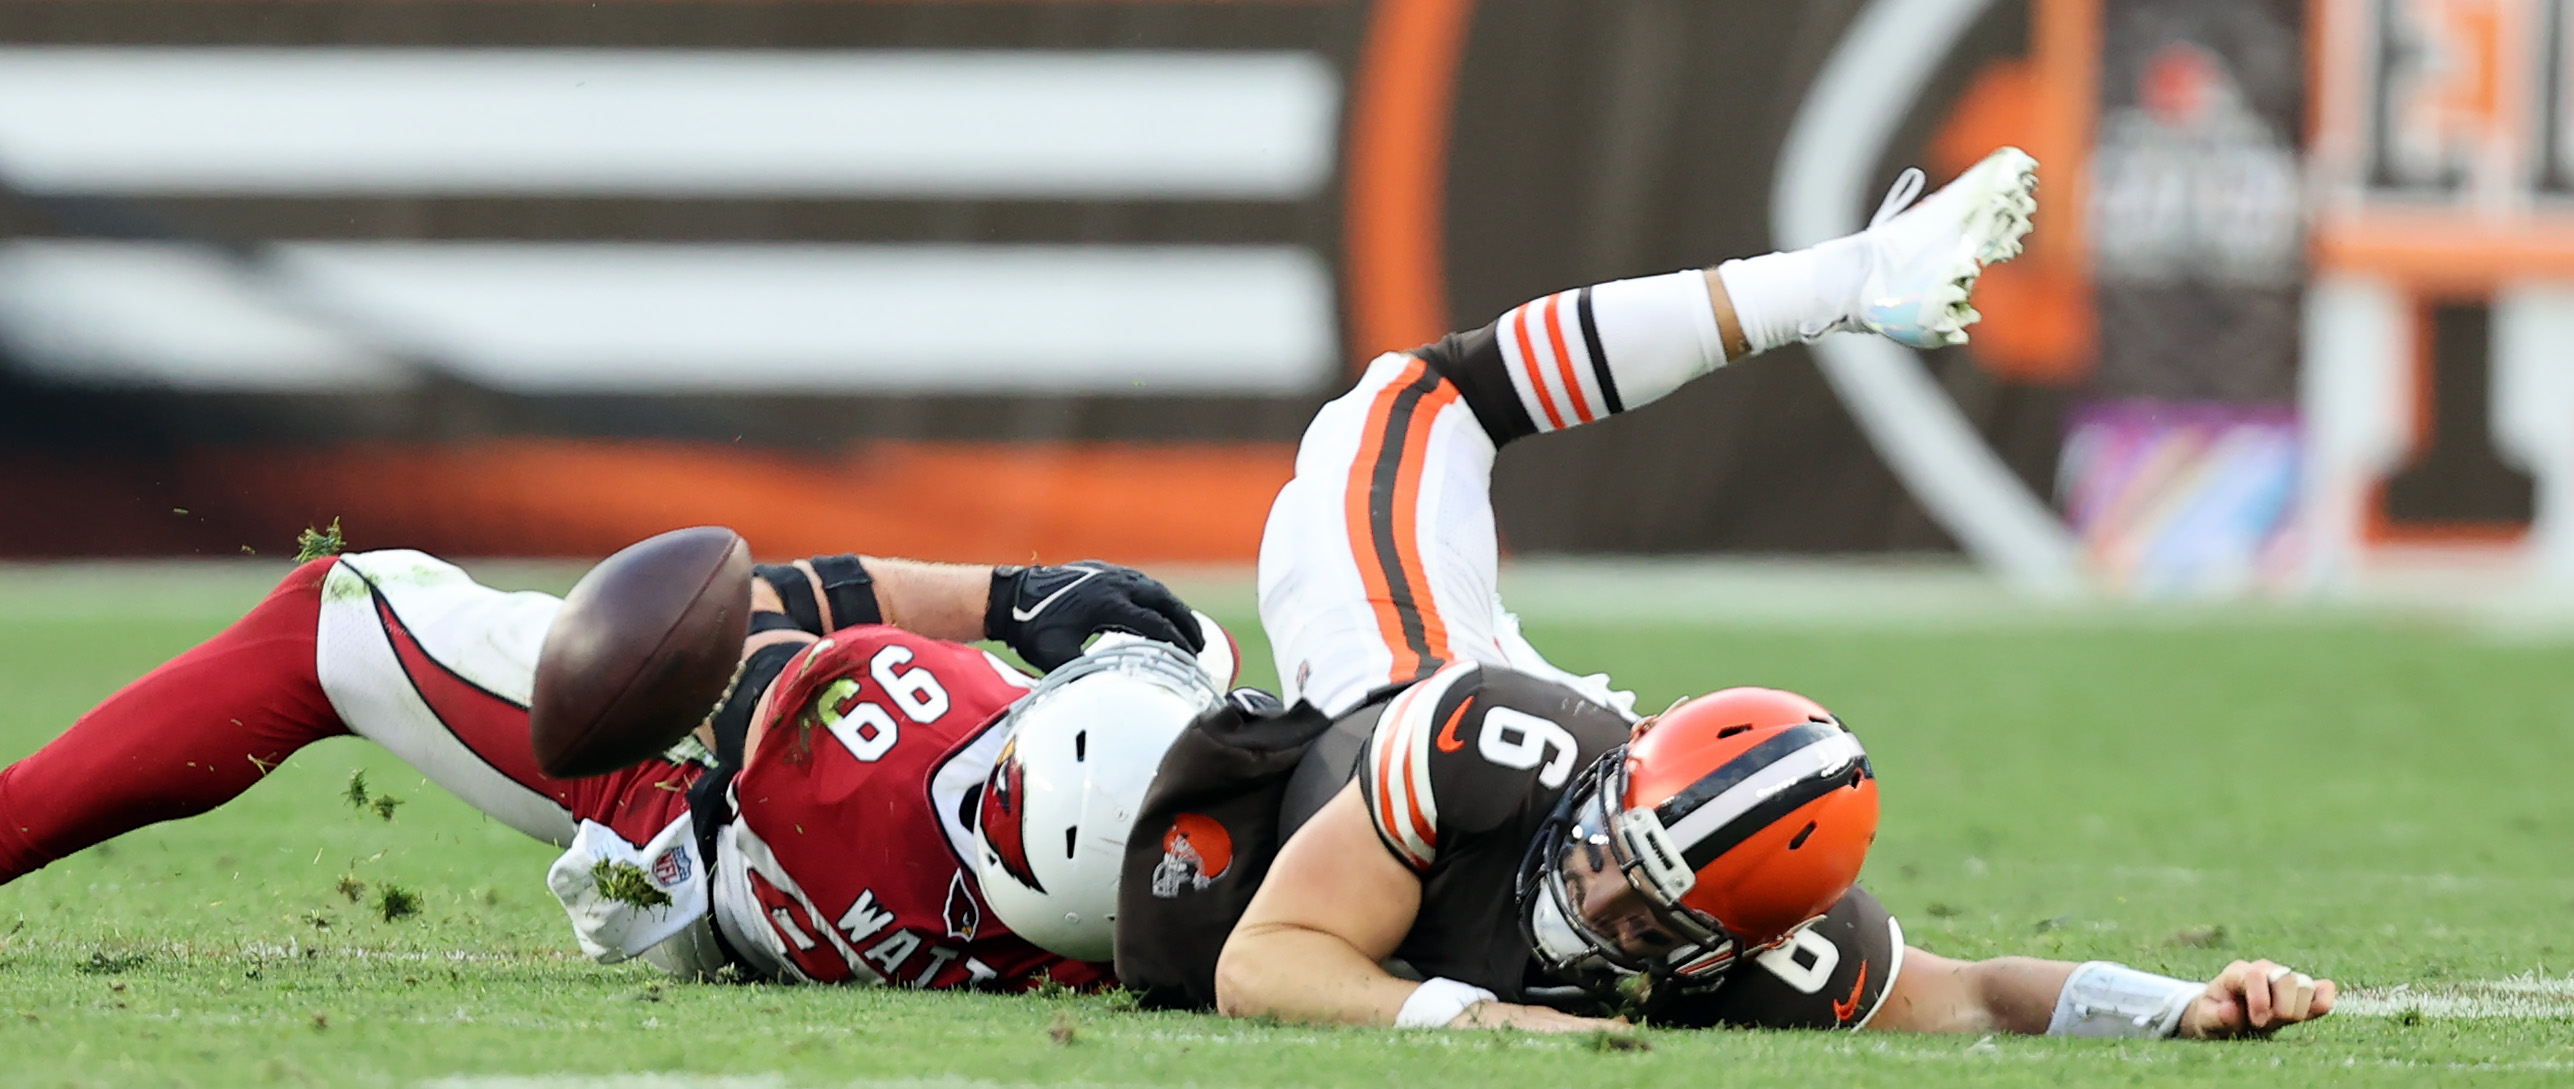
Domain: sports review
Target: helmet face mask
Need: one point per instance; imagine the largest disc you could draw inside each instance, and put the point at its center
(1599, 897)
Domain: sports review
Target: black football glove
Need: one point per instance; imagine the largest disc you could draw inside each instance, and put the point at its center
(1047, 613)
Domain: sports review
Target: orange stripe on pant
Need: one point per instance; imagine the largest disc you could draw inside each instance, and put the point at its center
(1407, 508)
(1380, 509)
(1363, 547)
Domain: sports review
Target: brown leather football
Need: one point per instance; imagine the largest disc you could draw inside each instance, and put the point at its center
(643, 649)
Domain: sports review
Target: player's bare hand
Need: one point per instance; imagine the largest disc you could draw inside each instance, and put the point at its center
(2256, 998)
(1531, 1019)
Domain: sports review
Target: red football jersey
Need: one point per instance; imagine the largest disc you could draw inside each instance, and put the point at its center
(854, 841)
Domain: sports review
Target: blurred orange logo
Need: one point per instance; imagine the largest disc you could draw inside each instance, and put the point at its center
(1195, 851)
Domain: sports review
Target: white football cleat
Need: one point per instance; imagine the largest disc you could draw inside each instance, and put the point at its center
(1926, 258)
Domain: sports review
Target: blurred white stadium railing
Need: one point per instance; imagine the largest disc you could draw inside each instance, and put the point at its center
(668, 122)
(530, 317)
(658, 317)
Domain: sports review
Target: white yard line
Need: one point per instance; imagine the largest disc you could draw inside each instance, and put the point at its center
(1985, 1049)
(2526, 998)
(2445, 883)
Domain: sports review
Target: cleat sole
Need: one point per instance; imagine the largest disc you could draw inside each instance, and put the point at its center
(1994, 204)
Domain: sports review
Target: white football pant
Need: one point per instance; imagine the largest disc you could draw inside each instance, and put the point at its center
(1379, 562)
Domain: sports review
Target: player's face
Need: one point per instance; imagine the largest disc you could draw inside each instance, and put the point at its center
(1610, 906)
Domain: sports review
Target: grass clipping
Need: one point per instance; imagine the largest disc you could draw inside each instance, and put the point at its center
(625, 883)
(313, 544)
(358, 798)
(395, 902)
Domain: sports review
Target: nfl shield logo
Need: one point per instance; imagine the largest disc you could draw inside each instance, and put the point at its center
(670, 868)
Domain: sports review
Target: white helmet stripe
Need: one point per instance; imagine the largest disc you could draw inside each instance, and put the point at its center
(1836, 750)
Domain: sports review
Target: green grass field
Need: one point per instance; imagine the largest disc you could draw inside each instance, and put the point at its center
(2385, 804)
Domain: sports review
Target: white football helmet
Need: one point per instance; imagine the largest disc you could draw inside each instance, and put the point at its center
(1085, 743)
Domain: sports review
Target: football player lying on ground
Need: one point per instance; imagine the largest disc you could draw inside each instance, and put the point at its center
(823, 831)
(1536, 856)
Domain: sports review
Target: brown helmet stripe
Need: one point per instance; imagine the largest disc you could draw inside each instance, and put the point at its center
(1701, 845)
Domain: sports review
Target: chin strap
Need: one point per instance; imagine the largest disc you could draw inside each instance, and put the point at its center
(2114, 1000)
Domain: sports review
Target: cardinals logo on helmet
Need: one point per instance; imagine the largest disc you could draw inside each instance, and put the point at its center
(1195, 851)
(1002, 812)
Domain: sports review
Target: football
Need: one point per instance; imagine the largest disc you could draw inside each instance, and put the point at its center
(642, 651)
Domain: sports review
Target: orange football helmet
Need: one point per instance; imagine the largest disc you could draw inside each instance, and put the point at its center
(1734, 819)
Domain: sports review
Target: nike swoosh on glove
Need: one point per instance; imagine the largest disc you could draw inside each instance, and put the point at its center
(1047, 613)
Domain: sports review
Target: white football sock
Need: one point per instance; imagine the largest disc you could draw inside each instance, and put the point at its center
(1788, 298)
(1584, 355)
(1658, 333)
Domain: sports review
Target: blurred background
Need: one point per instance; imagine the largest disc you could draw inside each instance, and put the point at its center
(992, 279)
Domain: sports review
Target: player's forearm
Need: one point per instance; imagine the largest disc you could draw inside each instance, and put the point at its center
(1046, 614)
(2018, 994)
(2005, 994)
(939, 600)
(1303, 975)
(1297, 974)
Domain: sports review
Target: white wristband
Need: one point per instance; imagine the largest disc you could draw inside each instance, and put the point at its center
(1438, 1001)
(2114, 1000)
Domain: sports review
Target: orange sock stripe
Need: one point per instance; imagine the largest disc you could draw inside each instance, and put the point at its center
(1564, 359)
(1528, 365)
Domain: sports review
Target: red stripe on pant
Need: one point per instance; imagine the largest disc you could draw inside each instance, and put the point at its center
(637, 801)
(184, 739)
